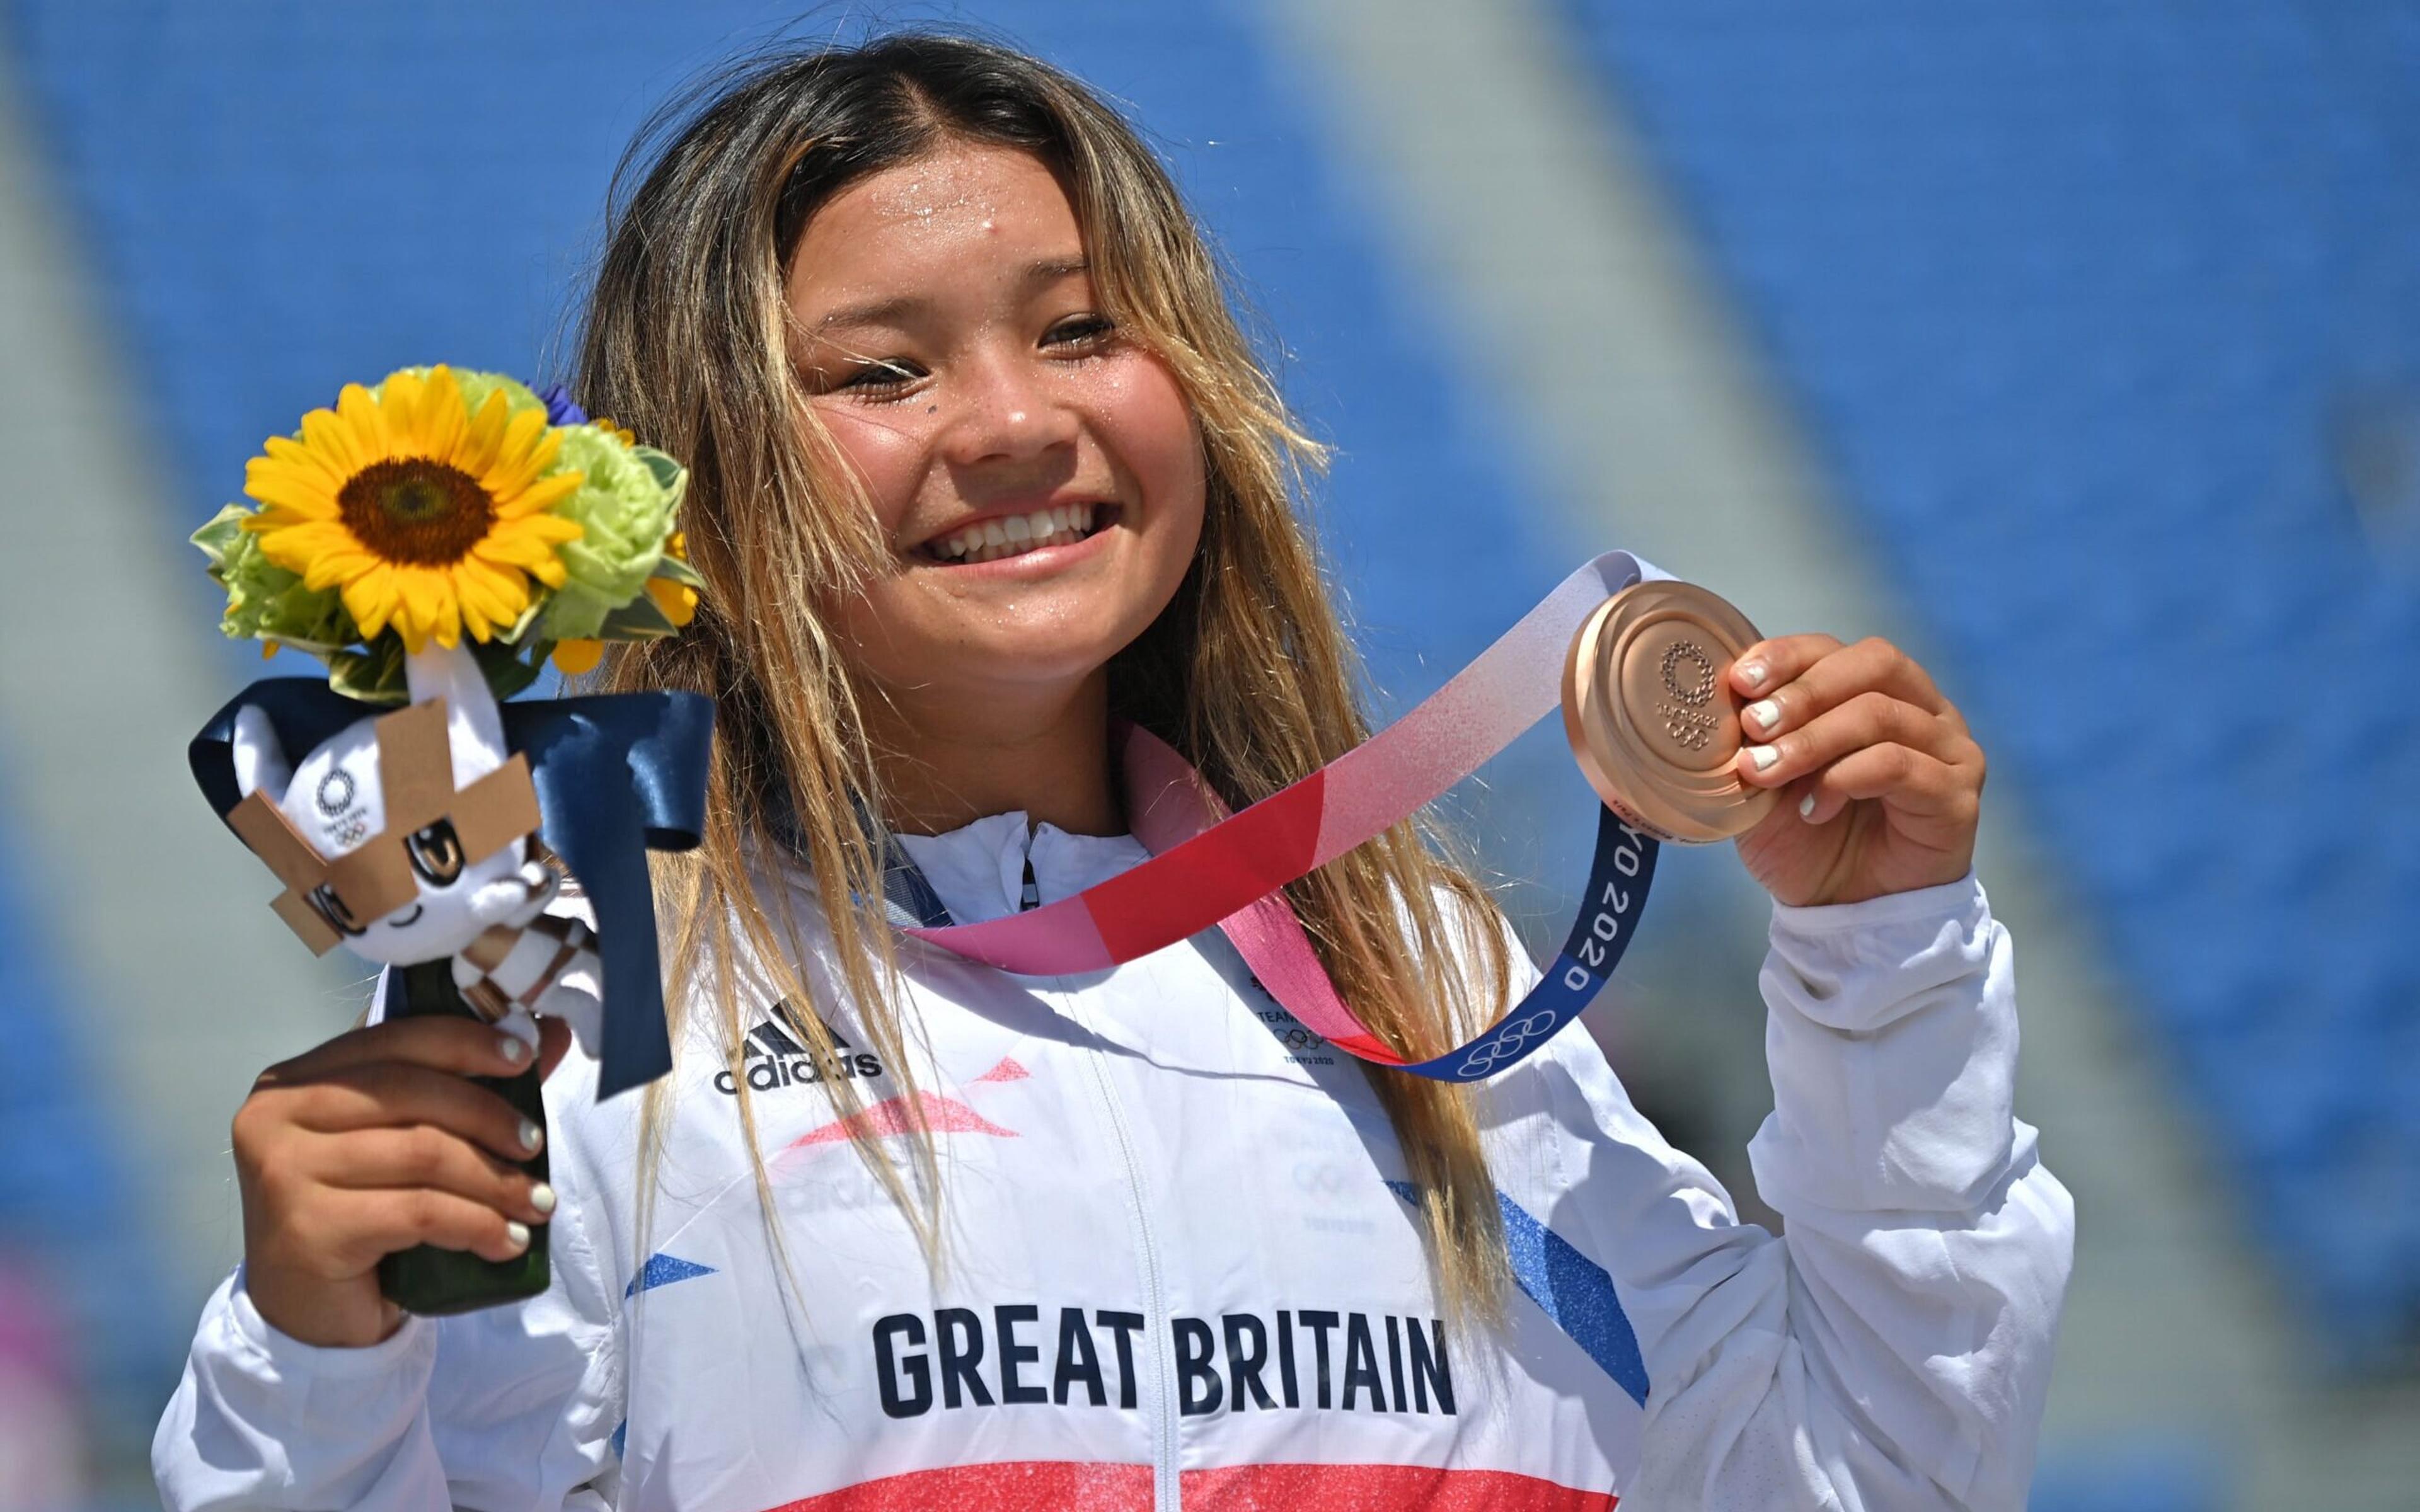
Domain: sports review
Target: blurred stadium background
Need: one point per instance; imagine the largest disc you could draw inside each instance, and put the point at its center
(2077, 346)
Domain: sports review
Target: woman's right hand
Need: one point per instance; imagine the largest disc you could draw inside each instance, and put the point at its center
(372, 1143)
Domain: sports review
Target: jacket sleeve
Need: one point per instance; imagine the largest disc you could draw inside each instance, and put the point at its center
(1892, 1347)
(507, 1408)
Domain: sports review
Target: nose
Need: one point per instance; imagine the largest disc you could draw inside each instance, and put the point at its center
(1006, 411)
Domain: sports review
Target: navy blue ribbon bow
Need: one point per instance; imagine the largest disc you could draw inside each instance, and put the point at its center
(617, 776)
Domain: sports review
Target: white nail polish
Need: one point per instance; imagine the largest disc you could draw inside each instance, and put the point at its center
(531, 1135)
(1753, 674)
(1765, 712)
(511, 1049)
(518, 1233)
(1763, 756)
(542, 1198)
(1807, 807)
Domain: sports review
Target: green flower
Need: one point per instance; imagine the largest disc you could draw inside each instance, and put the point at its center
(265, 602)
(625, 509)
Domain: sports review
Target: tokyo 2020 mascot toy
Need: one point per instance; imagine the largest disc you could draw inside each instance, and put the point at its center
(435, 540)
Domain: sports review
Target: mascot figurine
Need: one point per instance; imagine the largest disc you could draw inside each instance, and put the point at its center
(436, 541)
(408, 837)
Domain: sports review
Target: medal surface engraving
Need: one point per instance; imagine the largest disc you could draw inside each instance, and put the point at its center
(1648, 705)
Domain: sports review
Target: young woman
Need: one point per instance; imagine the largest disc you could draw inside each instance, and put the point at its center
(981, 465)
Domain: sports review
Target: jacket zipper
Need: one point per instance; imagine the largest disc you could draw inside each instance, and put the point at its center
(1162, 1403)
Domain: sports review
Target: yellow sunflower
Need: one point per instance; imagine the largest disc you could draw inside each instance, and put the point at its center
(423, 514)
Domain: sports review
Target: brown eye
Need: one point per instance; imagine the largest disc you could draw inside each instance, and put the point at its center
(333, 909)
(879, 378)
(1080, 330)
(436, 854)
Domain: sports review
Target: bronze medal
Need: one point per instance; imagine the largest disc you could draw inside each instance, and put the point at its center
(1649, 708)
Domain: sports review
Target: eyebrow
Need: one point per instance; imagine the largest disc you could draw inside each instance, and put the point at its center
(890, 312)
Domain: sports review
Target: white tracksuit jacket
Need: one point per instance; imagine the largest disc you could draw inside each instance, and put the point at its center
(1181, 1270)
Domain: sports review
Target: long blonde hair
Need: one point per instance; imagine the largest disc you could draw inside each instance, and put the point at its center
(1247, 671)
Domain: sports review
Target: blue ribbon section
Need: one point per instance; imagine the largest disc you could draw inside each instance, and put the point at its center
(617, 776)
(1619, 878)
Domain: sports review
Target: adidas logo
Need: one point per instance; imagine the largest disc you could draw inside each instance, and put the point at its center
(775, 1059)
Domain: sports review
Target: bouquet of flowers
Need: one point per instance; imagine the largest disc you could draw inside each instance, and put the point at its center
(435, 540)
(444, 504)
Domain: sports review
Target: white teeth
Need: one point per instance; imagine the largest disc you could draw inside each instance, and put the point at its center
(1015, 534)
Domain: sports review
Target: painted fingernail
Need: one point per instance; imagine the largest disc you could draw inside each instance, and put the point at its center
(518, 1233)
(1765, 712)
(542, 1198)
(1752, 673)
(1807, 807)
(1763, 756)
(531, 1135)
(511, 1049)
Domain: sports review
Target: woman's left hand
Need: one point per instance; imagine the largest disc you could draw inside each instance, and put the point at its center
(1880, 784)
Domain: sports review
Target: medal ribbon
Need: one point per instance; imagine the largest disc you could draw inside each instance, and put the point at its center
(1209, 869)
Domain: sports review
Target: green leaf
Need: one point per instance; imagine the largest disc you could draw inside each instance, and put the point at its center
(670, 475)
(503, 668)
(374, 676)
(678, 571)
(638, 620)
(218, 537)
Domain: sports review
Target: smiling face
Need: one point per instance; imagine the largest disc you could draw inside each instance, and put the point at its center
(1039, 477)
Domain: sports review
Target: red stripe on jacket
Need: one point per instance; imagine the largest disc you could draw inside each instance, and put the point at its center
(1069, 1485)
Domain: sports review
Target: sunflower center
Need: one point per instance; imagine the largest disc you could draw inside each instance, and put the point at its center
(416, 511)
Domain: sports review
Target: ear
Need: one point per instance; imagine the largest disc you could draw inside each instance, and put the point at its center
(261, 763)
(472, 724)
